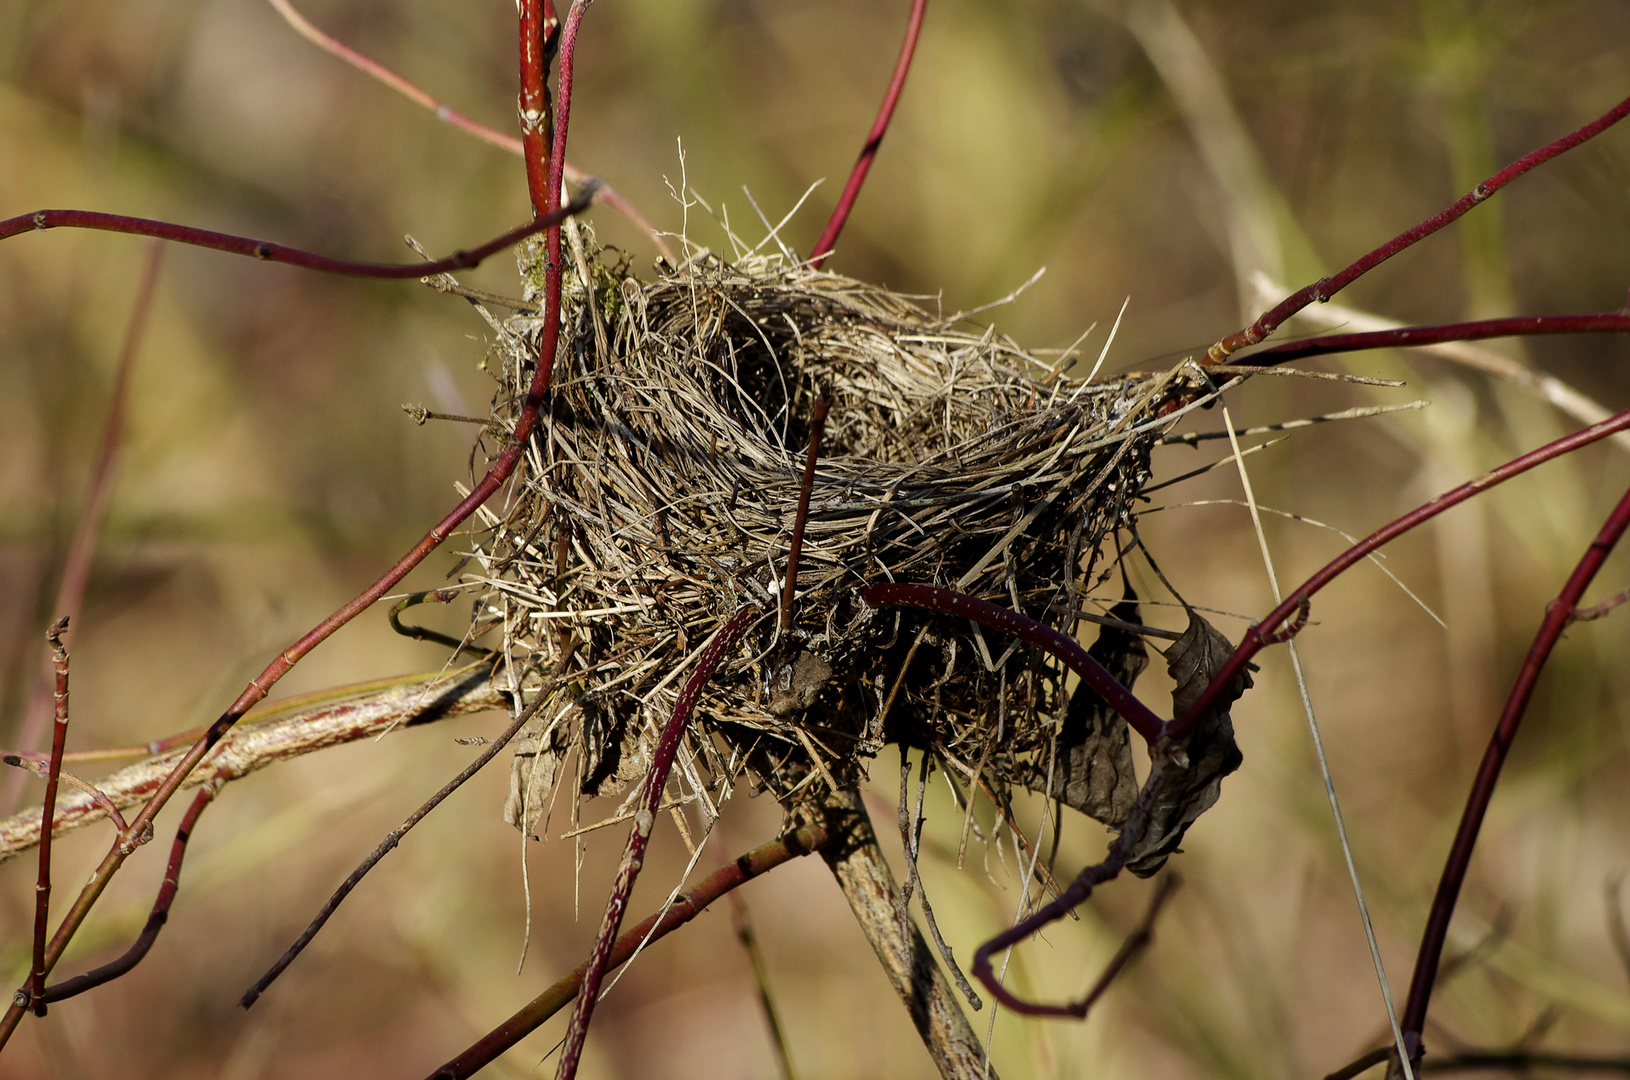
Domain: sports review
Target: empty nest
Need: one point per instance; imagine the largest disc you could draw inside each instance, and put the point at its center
(659, 496)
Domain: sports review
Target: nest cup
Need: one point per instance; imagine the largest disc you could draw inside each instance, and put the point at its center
(658, 498)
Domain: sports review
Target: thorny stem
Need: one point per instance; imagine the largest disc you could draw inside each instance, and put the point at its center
(1558, 614)
(35, 993)
(790, 585)
(76, 568)
(155, 920)
(384, 848)
(267, 251)
(874, 138)
(1257, 637)
(1410, 336)
(760, 860)
(639, 837)
(1323, 289)
(445, 112)
(497, 474)
(1059, 644)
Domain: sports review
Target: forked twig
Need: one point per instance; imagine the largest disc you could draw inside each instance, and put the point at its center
(761, 860)
(1325, 288)
(1556, 620)
(874, 138)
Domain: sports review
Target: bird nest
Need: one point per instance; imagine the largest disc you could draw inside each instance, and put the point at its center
(659, 496)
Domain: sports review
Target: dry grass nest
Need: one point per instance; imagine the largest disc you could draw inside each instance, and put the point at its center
(658, 499)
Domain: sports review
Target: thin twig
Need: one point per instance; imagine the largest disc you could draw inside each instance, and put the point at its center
(759, 861)
(266, 251)
(1255, 638)
(1325, 288)
(35, 991)
(261, 741)
(450, 115)
(385, 847)
(790, 585)
(656, 779)
(742, 923)
(874, 138)
(1557, 614)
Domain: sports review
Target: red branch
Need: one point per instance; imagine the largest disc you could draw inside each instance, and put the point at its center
(656, 779)
(761, 860)
(42, 888)
(1258, 636)
(1558, 614)
(540, 34)
(791, 583)
(1042, 636)
(499, 472)
(874, 138)
(160, 914)
(1616, 322)
(1323, 289)
(267, 251)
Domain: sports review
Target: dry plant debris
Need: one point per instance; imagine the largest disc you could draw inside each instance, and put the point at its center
(659, 499)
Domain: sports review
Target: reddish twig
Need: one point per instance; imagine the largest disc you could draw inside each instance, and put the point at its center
(1325, 288)
(1557, 617)
(1075, 894)
(267, 251)
(385, 847)
(1135, 943)
(450, 115)
(155, 920)
(34, 995)
(1256, 638)
(790, 584)
(656, 779)
(874, 138)
(497, 474)
(759, 861)
(40, 765)
(1056, 642)
(539, 35)
(1616, 322)
(76, 569)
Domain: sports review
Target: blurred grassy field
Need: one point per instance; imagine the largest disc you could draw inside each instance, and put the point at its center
(1131, 149)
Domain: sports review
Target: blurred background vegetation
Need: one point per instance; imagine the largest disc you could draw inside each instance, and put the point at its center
(1166, 154)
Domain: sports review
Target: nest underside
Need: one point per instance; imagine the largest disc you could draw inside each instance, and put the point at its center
(659, 496)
